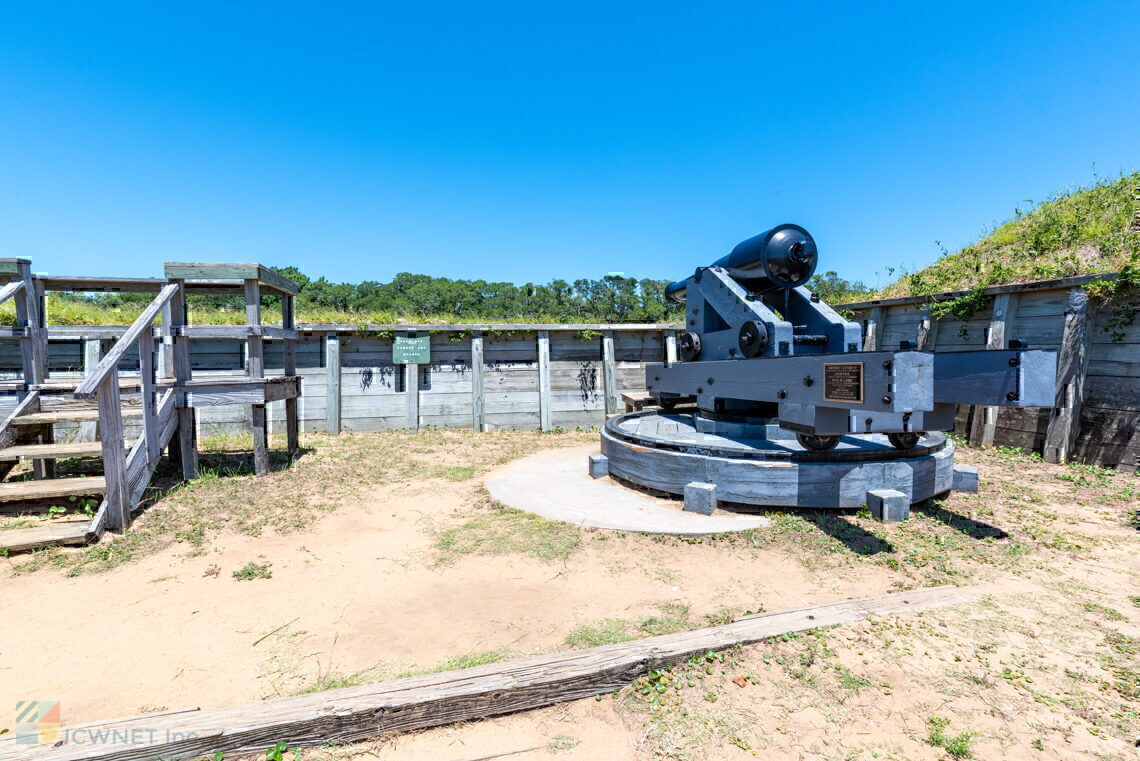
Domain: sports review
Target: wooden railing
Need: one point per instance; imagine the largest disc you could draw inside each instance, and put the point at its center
(127, 473)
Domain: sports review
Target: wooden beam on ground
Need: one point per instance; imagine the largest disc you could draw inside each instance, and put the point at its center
(609, 374)
(332, 382)
(984, 425)
(1072, 366)
(478, 413)
(544, 418)
(358, 713)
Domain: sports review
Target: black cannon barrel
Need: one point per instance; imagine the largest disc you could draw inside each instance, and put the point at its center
(783, 257)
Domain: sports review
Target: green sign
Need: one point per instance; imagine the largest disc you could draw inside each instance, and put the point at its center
(411, 349)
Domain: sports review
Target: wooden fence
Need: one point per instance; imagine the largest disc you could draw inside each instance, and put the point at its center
(483, 376)
(1097, 417)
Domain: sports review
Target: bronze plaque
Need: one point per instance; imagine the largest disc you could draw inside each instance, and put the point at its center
(843, 382)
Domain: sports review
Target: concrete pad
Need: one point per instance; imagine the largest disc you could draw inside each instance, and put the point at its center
(554, 484)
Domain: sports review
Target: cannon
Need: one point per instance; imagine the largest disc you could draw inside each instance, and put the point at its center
(769, 373)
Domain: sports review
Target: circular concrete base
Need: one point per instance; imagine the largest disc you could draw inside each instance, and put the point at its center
(749, 464)
(556, 485)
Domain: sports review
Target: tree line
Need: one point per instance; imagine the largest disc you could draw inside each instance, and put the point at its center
(611, 299)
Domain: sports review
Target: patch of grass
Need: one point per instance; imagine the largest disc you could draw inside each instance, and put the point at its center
(505, 531)
(464, 661)
(956, 746)
(1108, 614)
(252, 570)
(674, 617)
(561, 743)
(607, 631)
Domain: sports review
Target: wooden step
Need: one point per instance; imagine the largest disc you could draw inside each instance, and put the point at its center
(52, 451)
(70, 416)
(14, 491)
(53, 532)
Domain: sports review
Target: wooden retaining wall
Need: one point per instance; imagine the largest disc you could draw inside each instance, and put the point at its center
(349, 382)
(1097, 417)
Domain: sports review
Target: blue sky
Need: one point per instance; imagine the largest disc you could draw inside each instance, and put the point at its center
(529, 141)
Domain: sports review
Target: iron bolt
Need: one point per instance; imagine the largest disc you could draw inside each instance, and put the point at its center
(709, 381)
(1013, 362)
(1011, 396)
(886, 400)
(887, 365)
(781, 394)
(808, 380)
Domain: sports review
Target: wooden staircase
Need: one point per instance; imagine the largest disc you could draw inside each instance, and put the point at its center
(160, 400)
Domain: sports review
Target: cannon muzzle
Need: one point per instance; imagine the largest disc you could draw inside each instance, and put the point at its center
(783, 257)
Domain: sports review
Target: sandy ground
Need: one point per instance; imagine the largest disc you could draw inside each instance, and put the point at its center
(368, 589)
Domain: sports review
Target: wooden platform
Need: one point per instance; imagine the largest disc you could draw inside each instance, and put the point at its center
(53, 533)
(12, 491)
(368, 711)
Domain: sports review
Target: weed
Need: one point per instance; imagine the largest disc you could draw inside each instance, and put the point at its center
(957, 746)
(561, 743)
(252, 570)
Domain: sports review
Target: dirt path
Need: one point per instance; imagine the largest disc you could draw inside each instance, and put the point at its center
(414, 573)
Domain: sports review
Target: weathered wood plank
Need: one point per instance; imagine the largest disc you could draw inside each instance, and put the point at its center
(357, 713)
(332, 382)
(610, 391)
(53, 533)
(12, 491)
(187, 435)
(1072, 366)
(478, 417)
(114, 456)
(229, 271)
(544, 380)
(871, 332)
(412, 397)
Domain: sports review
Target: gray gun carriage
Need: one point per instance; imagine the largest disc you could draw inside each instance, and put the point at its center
(773, 402)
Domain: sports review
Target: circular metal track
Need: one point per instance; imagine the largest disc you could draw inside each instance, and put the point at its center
(852, 447)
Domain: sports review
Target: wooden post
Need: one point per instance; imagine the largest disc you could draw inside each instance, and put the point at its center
(927, 338)
(478, 415)
(985, 418)
(187, 435)
(289, 351)
(1072, 364)
(544, 418)
(412, 398)
(670, 347)
(92, 353)
(33, 350)
(255, 368)
(166, 348)
(150, 413)
(871, 337)
(609, 374)
(332, 382)
(114, 455)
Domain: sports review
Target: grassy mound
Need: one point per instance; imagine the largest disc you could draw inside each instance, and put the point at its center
(1082, 231)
